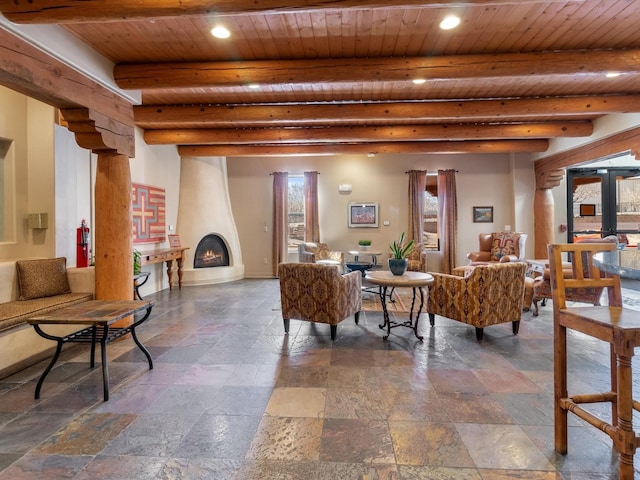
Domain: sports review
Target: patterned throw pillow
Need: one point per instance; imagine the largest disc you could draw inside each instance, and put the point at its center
(504, 244)
(42, 278)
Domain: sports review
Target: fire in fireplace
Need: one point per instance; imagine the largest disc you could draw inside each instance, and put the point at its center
(211, 252)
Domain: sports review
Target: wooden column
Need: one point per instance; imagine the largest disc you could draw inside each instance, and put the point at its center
(113, 226)
(543, 221)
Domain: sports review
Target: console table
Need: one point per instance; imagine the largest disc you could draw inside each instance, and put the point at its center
(168, 256)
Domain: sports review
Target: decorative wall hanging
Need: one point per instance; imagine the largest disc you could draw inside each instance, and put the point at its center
(149, 212)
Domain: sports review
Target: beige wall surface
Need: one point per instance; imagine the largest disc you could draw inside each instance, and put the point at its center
(502, 181)
(27, 141)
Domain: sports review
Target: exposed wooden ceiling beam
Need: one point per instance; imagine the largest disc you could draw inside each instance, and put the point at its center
(98, 132)
(406, 133)
(158, 116)
(28, 70)
(497, 146)
(67, 11)
(348, 70)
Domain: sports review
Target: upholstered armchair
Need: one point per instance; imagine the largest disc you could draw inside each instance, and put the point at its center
(499, 247)
(319, 293)
(310, 252)
(489, 295)
(417, 259)
(542, 284)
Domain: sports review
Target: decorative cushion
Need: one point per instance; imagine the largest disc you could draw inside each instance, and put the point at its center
(504, 244)
(42, 278)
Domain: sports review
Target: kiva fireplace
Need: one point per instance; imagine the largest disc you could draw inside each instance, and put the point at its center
(205, 223)
(211, 252)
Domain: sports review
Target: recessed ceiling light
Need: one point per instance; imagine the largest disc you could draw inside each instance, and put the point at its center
(253, 85)
(220, 32)
(612, 74)
(450, 22)
(419, 81)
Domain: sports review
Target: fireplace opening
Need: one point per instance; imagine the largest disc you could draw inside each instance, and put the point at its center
(211, 252)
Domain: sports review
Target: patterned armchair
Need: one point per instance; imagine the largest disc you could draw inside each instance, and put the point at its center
(310, 252)
(318, 293)
(489, 295)
(499, 247)
(542, 284)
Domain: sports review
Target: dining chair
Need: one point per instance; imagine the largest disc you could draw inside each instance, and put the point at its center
(610, 323)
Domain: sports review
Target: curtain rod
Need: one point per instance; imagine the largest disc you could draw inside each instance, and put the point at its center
(293, 173)
(428, 172)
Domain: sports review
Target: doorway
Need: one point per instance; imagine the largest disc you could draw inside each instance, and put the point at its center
(602, 202)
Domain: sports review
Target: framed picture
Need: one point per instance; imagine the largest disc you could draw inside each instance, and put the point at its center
(174, 241)
(588, 210)
(363, 214)
(483, 214)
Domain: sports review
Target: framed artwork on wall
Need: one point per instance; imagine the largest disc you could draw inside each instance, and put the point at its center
(482, 214)
(363, 214)
(587, 209)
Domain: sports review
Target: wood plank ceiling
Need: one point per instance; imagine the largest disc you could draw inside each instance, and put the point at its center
(336, 76)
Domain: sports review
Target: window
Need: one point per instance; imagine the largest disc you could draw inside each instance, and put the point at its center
(430, 223)
(602, 202)
(296, 210)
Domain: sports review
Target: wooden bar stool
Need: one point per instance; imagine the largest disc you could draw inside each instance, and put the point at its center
(613, 324)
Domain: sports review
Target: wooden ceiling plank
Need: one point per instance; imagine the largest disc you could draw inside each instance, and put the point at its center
(155, 116)
(274, 72)
(497, 146)
(404, 133)
(69, 11)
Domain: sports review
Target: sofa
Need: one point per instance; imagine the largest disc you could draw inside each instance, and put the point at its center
(31, 287)
(490, 294)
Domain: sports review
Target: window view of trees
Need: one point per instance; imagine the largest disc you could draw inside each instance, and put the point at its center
(430, 224)
(296, 210)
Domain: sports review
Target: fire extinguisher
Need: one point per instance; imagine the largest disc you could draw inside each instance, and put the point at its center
(82, 241)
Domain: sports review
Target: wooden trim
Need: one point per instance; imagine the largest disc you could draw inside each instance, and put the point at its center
(398, 133)
(346, 70)
(199, 116)
(32, 72)
(471, 146)
(548, 167)
(61, 11)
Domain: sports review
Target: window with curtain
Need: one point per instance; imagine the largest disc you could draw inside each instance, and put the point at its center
(430, 218)
(295, 214)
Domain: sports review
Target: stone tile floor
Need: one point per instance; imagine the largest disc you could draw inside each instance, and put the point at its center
(232, 397)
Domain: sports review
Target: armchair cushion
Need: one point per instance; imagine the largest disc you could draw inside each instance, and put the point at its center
(504, 244)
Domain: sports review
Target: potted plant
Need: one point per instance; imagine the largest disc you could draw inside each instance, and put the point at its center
(137, 262)
(399, 251)
(364, 244)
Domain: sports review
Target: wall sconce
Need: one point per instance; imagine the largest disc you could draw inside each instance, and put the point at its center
(344, 188)
(37, 220)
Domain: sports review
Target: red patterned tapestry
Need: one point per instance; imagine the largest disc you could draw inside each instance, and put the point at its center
(148, 205)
